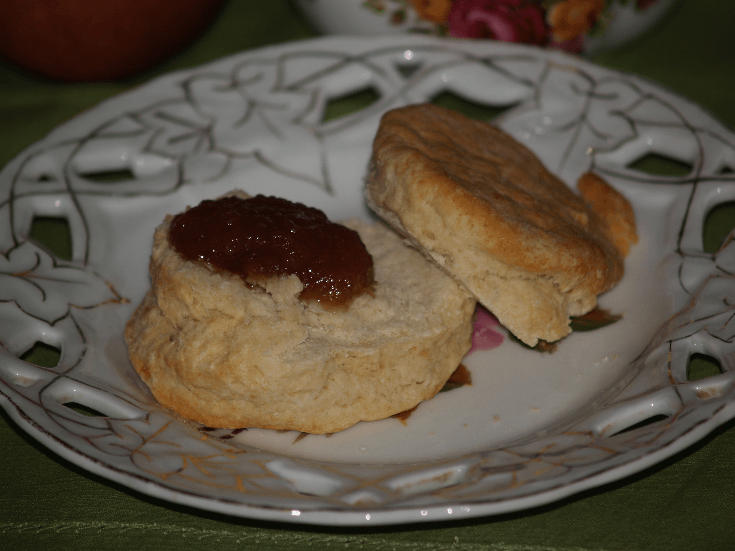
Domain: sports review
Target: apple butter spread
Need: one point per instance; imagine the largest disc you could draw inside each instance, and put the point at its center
(262, 237)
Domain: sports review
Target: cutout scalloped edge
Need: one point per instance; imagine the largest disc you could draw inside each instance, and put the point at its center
(19, 372)
(54, 233)
(621, 416)
(702, 366)
(661, 165)
(349, 104)
(712, 387)
(364, 497)
(65, 391)
(435, 478)
(306, 480)
(43, 355)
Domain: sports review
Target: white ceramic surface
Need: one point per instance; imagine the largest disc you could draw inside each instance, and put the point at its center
(531, 429)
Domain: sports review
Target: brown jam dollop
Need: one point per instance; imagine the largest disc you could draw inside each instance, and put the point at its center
(262, 237)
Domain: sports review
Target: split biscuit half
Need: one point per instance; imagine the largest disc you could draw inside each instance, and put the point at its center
(484, 208)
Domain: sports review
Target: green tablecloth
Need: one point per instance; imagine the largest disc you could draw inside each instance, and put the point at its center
(687, 502)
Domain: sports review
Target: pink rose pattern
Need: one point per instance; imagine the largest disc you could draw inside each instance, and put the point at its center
(485, 337)
(506, 20)
(511, 21)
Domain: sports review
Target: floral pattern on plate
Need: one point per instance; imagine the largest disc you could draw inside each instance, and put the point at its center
(578, 26)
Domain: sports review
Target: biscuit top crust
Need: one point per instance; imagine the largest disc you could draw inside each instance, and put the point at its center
(477, 175)
(484, 207)
(261, 237)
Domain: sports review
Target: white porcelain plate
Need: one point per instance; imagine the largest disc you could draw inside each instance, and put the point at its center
(532, 428)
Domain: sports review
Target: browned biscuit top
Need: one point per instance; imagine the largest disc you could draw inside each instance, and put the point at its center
(614, 210)
(485, 208)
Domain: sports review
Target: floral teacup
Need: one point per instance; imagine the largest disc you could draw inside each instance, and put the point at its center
(579, 26)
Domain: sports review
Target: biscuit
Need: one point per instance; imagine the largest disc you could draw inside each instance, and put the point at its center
(613, 209)
(485, 209)
(224, 354)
